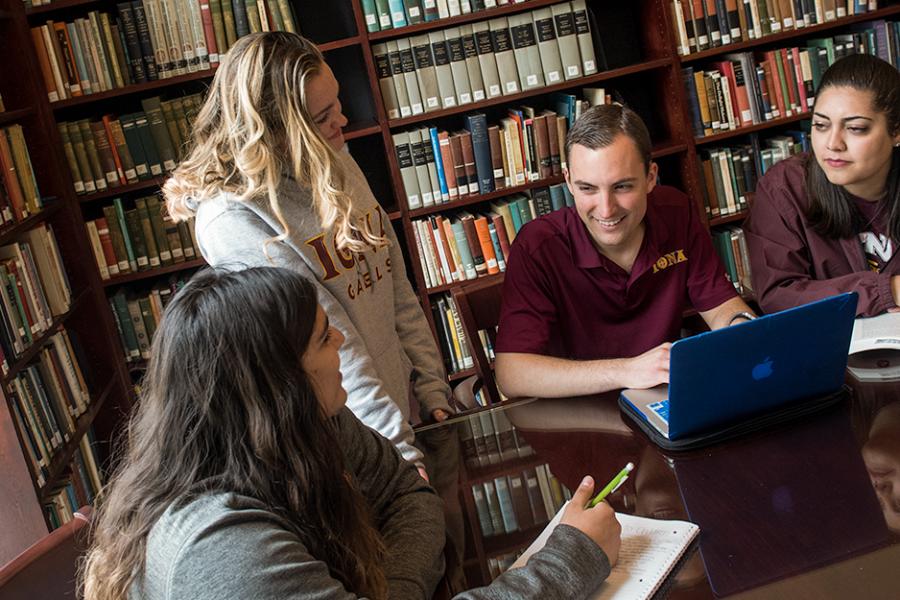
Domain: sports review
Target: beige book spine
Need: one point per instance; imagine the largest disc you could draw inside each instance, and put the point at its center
(441, 53)
(503, 54)
(385, 81)
(408, 68)
(426, 77)
(528, 58)
(458, 65)
(488, 64)
(473, 65)
(548, 47)
(585, 39)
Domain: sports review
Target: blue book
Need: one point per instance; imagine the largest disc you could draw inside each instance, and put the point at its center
(476, 124)
(398, 14)
(465, 254)
(557, 196)
(498, 251)
(514, 212)
(439, 163)
(570, 200)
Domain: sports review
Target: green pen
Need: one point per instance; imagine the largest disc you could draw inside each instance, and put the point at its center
(612, 485)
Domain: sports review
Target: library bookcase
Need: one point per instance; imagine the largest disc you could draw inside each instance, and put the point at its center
(642, 66)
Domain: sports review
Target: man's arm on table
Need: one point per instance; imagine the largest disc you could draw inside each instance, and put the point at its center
(724, 314)
(521, 374)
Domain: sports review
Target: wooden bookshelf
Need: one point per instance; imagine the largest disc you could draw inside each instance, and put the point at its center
(10, 231)
(43, 9)
(11, 116)
(732, 133)
(111, 192)
(153, 273)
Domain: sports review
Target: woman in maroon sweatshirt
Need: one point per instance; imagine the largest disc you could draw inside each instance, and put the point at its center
(828, 221)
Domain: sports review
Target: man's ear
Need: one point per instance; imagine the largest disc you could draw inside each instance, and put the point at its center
(652, 176)
(565, 172)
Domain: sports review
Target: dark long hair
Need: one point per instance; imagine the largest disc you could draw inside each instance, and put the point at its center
(830, 211)
(226, 406)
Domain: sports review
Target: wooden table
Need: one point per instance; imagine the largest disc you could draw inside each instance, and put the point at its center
(809, 509)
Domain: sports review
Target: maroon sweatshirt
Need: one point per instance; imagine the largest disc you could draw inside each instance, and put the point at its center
(791, 264)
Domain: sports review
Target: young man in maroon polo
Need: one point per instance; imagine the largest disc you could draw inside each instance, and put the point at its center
(594, 295)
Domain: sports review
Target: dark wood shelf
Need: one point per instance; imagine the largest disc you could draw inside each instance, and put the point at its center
(358, 130)
(58, 5)
(793, 33)
(342, 43)
(717, 137)
(480, 15)
(35, 346)
(738, 216)
(12, 230)
(460, 375)
(151, 273)
(476, 198)
(448, 286)
(11, 116)
(512, 98)
(488, 472)
(63, 456)
(395, 215)
(112, 192)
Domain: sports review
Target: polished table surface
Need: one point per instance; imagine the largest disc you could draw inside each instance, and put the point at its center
(807, 509)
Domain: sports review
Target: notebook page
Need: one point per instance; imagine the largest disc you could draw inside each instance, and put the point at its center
(650, 548)
(882, 331)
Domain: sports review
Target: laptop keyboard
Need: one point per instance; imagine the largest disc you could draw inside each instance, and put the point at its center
(662, 409)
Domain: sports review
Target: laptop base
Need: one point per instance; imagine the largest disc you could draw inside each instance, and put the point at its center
(789, 412)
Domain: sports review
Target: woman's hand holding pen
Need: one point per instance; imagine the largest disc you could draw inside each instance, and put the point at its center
(598, 523)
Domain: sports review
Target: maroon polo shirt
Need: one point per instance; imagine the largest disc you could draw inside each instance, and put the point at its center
(563, 298)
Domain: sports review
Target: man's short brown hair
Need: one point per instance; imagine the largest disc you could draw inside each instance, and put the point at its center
(599, 126)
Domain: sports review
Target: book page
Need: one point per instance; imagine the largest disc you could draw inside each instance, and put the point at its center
(872, 333)
(650, 548)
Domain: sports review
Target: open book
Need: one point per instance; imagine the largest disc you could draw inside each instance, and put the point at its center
(876, 333)
(651, 548)
(875, 348)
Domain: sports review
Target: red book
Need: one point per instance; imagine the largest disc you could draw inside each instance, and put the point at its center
(500, 226)
(208, 32)
(120, 170)
(447, 162)
(459, 165)
(468, 223)
(10, 179)
(106, 243)
(774, 84)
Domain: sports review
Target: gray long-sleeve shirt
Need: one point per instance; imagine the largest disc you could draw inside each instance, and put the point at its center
(225, 545)
(366, 296)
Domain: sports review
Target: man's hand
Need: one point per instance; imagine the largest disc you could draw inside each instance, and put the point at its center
(440, 415)
(423, 474)
(598, 523)
(648, 369)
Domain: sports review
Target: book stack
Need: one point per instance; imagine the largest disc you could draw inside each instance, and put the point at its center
(384, 15)
(138, 315)
(146, 40)
(730, 174)
(133, 147)
(743, 89)
(47, 398)
(139, 238)
(518, 502)
(703, 24)
(468, 245)
(78, 489)
(496, 57)
(34, 290)
(19, 194)
(439, 166)
(731, 245)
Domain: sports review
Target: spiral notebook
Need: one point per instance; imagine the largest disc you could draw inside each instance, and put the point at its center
(652, 549)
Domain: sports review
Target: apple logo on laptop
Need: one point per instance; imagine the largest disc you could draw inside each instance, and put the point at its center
(763, 369)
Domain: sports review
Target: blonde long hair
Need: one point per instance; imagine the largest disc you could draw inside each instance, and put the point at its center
(254, 128)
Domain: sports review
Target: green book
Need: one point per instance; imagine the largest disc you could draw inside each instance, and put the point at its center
(147, 316)
(142, 127)
(159, 231)
(126, 234)
(172, 125)
(383, 9)
(153, 108)
(90, 148)
(136, 235)
(276, 19)
(228, 23)
(371, 14)
(69, 151)
(133, 141)
(123, 320)
(84, 165)
(218, 21)
(117, 237)
(253, 16)
(147, 232)
(290, 23)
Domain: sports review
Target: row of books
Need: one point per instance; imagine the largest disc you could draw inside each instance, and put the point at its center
(79, 488)
(467, 246)
(489, 438)
(19, 194)
(384, 15)
(497, 565)
(743, 89)
(34, 290)
(440, 166)
(496, 57)
(451, 337)
(128, 240)
(48, 396)
(730, 174)
(703, 24)
(132, 147)
(147, 40)
(138, 314)
(731, 245)
(518, 502)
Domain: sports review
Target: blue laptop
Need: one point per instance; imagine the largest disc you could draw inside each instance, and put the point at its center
(722, 378)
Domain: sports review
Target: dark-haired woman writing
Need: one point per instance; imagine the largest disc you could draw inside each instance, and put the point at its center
(829, 222)
(245, 476)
